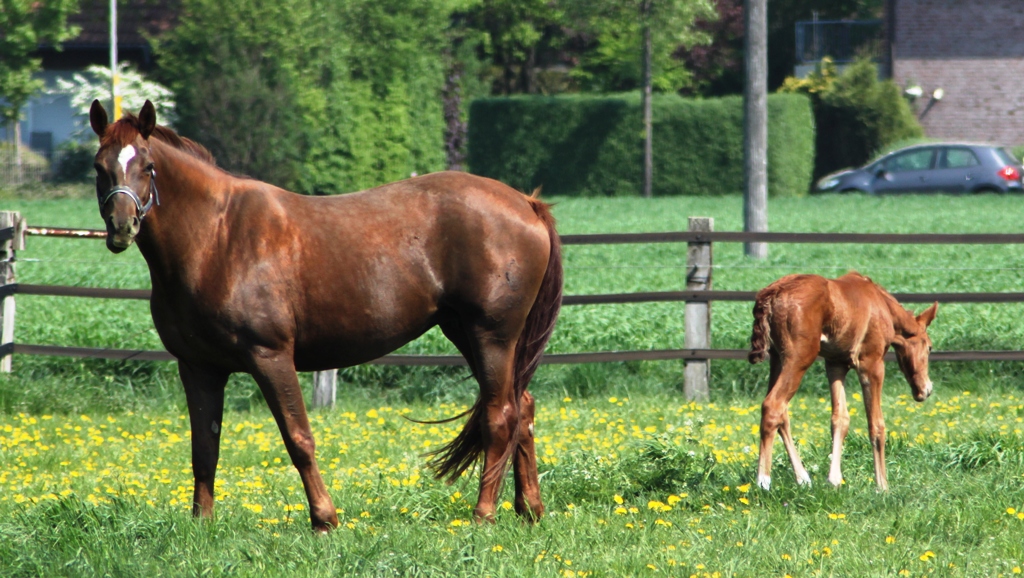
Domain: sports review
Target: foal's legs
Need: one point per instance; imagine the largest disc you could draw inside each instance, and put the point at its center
(524, 464)
(785, 380)
(275, 374)
(204, 393)
(872, 374)
(836, 373)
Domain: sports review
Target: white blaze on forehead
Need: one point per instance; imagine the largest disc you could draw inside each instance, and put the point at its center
(126, 154)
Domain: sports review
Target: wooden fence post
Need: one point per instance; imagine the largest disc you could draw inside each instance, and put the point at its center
(325, 388)
(697, 314)
(8, 220)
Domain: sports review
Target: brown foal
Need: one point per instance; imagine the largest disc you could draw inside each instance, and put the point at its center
(251, 278)
(850, 322)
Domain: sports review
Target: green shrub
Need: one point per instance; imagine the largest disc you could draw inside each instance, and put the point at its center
(592, 145)
(856, 114)
(74, 162)
(34, 166)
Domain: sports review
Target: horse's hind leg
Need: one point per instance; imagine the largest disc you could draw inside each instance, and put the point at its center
(836, 373)
(204, 393)
(499, 411)
(280, 386)
(786, 375)
(524, 464)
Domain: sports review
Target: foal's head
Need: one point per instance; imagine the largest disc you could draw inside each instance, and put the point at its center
(125, 176)
(912, 346)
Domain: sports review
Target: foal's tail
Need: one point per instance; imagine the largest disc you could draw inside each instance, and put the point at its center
(453, 459)
(760, 339)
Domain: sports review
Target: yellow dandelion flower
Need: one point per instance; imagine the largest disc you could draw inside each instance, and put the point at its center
(617, 498)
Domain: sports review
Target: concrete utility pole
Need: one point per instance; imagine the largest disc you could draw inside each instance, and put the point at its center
(755, 125)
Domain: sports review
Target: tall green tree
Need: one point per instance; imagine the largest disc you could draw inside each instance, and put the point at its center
(24, 26)
(635, 42)
(515, 37)
(318, 96)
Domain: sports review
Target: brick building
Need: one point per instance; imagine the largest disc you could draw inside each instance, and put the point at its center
(973, 50)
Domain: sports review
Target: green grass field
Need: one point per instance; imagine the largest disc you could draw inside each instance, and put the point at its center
(95, 475)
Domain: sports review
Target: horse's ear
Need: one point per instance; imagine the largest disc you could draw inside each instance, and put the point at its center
(147, 119)
(928, 315)
(98, 118)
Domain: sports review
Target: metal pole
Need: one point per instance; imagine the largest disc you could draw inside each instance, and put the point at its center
(115, 78)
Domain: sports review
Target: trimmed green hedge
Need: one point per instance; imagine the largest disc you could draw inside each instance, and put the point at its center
(592, 145)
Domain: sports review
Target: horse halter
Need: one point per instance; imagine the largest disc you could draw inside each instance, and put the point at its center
(126, 190)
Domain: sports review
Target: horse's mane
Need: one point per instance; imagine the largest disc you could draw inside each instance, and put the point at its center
(124, 131)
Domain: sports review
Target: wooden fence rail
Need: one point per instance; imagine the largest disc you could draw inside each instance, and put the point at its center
(696, 354)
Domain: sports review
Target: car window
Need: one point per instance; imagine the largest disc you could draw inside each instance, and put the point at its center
(958, 158)
(1006, 157)
(915, 160)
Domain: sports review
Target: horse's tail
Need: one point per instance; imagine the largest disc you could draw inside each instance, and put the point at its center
(540, 322)
(760, 338)
(453, 459)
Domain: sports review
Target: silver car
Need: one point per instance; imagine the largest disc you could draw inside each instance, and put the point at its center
(933, 167)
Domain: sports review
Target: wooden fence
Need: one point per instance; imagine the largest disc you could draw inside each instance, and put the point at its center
(697, 298)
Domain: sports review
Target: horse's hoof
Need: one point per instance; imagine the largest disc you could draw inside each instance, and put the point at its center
(483, 517)
(764, 482)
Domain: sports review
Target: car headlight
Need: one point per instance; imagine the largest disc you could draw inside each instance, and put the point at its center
(829, 183)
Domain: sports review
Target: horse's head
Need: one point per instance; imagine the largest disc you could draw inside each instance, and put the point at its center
(912, 346)
(125, 175)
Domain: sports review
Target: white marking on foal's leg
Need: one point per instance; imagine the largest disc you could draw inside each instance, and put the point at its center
(803, 478)
(126, 154)
(764, 482)
(835, 477)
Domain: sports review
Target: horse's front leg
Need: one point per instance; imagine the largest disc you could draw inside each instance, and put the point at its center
(275, 374)
(204, 393)
(836, 373)
(524, 464)
(872, 374)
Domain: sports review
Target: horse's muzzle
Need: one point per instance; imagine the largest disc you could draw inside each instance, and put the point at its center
(121, 235)
(923, 393)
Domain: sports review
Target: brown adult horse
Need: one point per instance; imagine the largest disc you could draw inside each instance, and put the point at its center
(250, 278)
(850, 322)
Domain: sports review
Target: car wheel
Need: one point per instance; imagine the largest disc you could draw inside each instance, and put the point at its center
(852, 190)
